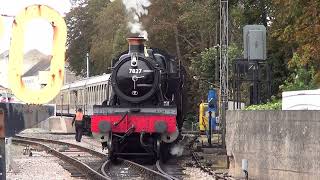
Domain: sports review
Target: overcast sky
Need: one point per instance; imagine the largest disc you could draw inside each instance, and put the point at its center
(39, 32)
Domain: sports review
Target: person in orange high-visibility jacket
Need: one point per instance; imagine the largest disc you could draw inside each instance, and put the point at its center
(78, 120)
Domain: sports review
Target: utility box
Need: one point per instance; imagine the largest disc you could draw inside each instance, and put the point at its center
(255, 42)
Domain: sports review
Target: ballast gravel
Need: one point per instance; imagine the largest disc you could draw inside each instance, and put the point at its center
(39, 166)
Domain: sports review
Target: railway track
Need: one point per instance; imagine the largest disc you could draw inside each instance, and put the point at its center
(88, 163)
(160, 168)
(208, 170)
(126, 169)
(84, 162)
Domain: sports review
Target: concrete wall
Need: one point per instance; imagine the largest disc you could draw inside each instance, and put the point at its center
(22, 116)
(57, 124)
(278, 144)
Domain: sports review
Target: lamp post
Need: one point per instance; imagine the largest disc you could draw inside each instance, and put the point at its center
(88, 71)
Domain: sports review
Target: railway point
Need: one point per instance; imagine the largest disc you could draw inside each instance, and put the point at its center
(149, 89)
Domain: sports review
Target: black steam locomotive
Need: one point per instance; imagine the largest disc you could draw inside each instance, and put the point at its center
(144, 115)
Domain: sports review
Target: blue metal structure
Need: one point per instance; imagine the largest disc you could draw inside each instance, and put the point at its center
(212, 108)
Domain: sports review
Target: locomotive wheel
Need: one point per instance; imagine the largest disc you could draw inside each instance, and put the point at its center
(163, 152)
(158, 149)
(112, 150)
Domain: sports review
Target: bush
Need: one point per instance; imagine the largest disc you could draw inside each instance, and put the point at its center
(273, 105)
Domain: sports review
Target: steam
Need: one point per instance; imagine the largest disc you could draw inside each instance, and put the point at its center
(177, 150)
(135, 10)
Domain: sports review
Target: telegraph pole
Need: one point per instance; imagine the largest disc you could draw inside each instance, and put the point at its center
(224, 65)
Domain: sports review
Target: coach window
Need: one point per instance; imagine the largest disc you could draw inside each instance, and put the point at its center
(95, 94)
(107, 91)
(100, 89)
(92, 95)
(90, 101)
(88, 94)
(82, 98)
(102, 93)
(79, 97)
(98, 95)
(69, 102)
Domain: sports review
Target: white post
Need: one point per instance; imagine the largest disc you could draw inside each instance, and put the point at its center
(8, 142)
(87, 65)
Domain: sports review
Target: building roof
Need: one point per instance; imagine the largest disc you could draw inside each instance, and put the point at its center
(4, 54)
(43, 65)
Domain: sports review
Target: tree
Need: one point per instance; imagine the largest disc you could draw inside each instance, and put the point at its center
(80, 32)
(203, 65)
(109, 37)
(296, 22)
(301, 78)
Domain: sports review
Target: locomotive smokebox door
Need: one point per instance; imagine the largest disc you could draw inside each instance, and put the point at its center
(135, 77)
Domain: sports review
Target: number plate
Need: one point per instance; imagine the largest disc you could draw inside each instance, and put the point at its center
(135, 71)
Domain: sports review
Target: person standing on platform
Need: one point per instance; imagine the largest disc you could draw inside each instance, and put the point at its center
(78, 120)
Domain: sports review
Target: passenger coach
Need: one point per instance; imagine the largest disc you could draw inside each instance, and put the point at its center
(82, 94)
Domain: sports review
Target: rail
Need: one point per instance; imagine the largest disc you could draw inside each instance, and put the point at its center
(145, 170)
(84, 168)
(208, 170)
(158, 165)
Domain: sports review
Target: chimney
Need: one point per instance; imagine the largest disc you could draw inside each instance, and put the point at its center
(136, 44)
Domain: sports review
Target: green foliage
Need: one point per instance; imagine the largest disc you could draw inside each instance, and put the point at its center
(81, 29)
(296, 22)
(203, 66)
(190, 120)
(110, 36)
(301, 78)
(98, 28)
(273, 105)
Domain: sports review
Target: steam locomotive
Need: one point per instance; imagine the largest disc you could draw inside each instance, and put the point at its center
(144, 114)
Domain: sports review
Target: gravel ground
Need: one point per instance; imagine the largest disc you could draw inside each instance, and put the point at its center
(39, 166)
(196, 174)
(23, 167)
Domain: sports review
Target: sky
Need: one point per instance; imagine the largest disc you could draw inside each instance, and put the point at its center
(38, 33)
